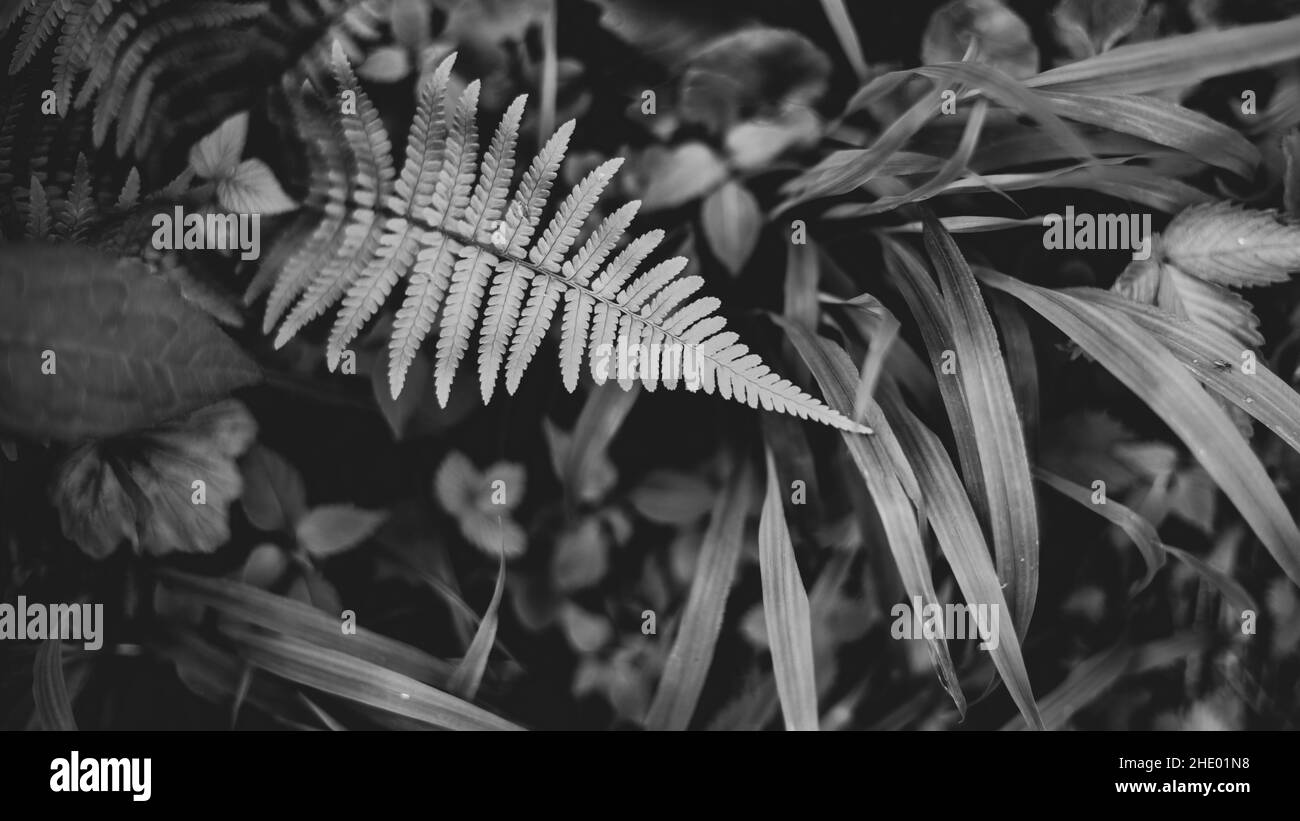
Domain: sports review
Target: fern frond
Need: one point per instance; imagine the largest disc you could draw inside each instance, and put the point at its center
(39, 218)
(43, 17)
(76, 39)
(445, 222)
(149, 66)
(360, 236)
(79, 210)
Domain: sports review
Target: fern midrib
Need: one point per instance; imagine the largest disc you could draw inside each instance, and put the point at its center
(537, 269)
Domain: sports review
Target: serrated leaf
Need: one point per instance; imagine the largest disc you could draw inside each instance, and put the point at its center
(129, 350)
(1229, 245)
(1225, 316)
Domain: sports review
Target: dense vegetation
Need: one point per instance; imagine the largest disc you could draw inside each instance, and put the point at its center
(889, 233)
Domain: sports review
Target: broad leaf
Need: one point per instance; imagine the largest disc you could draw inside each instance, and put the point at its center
(125, 350)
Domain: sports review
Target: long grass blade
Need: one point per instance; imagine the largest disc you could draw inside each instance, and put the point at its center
(467, 676)
(302, 621)
(1165, 123)
(355, 679)
(1144, 537)
(1092, 678)
(886, 473)
(962, 541)
(999, 437)
(1176, 62)
(785, 611)
(1141, 362)
(688, 661)
(1261, 393)
(50, 689)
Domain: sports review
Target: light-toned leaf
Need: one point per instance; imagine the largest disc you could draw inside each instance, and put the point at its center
(217, 155)
(701, 621)
(364, 682)
(253, 189)
(332, 529)
(467, 676)
(1229, 245)
(785, 611)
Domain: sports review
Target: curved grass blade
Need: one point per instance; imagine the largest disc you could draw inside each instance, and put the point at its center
(302, 621)
(688, 661)
(1134, 183)
(886, 473)
(999, 437)
(1165, 123)
(1262, 394)
(838, 16)
(1006, 91)
(1096, 675)
(962, 541)
(1143, 534)
(1138, 360)
(50, 689)
(1022, 363)
(355, 679)
(785, 611)
(1179, 61)
(465, 679)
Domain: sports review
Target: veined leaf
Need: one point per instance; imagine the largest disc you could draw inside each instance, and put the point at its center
(1229, 245)
(125, 350)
